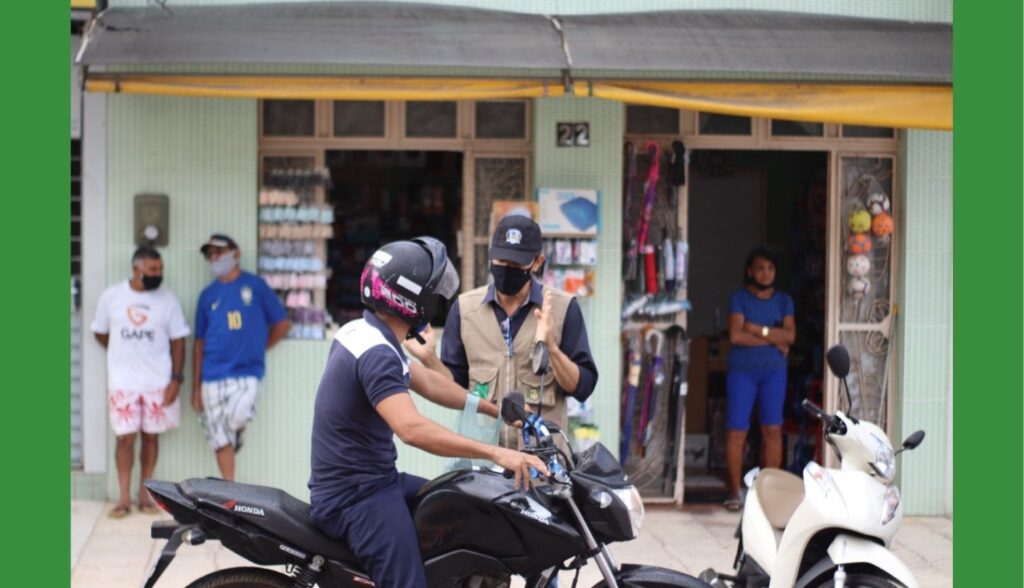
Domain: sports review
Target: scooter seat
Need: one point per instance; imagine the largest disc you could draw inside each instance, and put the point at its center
(272, 510)
(779, 492)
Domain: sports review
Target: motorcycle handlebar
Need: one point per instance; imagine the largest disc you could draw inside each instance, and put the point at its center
(834, 424)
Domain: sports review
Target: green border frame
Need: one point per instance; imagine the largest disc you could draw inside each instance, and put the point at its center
(987, 310)
(988, 256)
(35, 241)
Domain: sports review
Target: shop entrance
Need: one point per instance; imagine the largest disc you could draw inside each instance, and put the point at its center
(739, 200)
(384, 196)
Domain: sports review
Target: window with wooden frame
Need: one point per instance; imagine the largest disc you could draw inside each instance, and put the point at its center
(394, 170)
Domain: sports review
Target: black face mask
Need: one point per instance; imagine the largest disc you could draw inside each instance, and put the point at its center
(151, 282)
(509, 280)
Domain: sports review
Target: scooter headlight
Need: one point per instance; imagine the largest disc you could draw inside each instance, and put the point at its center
(885, 462)
(890, 504)
(635, 505)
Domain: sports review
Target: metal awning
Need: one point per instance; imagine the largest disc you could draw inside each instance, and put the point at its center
(779, 45)
(790, 66)
(774, 43)
(345, 33)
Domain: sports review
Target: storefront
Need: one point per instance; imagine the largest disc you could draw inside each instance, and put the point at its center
(309, 180)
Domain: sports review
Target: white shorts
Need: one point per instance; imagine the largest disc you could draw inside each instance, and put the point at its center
(228, 405)
(132, 411)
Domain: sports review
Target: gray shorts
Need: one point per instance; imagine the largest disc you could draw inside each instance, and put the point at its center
(228, 405)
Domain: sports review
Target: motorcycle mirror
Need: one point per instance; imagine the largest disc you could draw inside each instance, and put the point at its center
(513, 408)
(914, 440)
(539, 358)
(838, 361)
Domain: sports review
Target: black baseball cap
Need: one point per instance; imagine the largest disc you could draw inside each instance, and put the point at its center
(517, 239)
(218, 240)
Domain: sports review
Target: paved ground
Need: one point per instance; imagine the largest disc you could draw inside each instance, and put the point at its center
(119, 553)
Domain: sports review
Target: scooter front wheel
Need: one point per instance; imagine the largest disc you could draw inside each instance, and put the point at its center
(244, 578)
(860, 581)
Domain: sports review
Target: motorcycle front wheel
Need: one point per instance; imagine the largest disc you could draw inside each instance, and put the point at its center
(861, 581)
(244, 578)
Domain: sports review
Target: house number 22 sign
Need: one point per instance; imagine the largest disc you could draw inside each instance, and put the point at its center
(573, 134)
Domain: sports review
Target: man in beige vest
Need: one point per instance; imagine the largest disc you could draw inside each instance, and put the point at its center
(491, 331)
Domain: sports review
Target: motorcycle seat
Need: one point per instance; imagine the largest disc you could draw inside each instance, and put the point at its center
(272, 510)
(779, 493)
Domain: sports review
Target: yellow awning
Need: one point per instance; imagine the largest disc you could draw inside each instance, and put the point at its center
(901, 106)
(322, 88)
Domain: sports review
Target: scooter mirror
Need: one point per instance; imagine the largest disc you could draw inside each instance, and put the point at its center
(513, 408)
(914, 440)
(539, 358)
(838, 361)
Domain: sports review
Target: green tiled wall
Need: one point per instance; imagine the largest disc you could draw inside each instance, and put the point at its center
(925, 327)
(88, 486)
(202, 154)
(597, 166)
(922, 10)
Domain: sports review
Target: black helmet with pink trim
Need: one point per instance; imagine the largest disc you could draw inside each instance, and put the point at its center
(409, 279)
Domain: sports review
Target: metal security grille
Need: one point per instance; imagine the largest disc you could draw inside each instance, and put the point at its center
(76, 304)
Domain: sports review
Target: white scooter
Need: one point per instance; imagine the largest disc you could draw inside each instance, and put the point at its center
(834, 527)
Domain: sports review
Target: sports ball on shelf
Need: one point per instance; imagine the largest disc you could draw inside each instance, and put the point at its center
(878, 203)
(857, 287)
(859, 244)
(858, 265)
(860, 221)
(882, 225)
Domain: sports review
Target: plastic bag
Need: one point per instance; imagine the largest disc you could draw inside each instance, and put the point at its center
(478, 427)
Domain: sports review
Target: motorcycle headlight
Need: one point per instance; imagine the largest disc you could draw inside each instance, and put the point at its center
(635, 505)
(885, 462)
(890, 503)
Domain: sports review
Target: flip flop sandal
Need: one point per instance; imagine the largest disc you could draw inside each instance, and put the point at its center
(733, 504)
(150, 508)
(119, 512)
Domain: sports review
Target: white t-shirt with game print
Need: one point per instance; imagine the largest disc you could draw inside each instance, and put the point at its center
(141, 326)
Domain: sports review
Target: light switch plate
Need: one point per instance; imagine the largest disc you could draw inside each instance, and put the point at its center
(152, 212)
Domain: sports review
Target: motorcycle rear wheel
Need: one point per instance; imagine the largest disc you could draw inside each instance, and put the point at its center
(244, 578)
(861, 581)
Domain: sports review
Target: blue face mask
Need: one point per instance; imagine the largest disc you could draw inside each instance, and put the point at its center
(223, 265)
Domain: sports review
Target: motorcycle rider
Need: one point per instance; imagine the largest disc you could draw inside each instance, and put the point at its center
(363, 401)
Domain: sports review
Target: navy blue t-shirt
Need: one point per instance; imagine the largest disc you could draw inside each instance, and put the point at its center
(767, 313)
(353, 446)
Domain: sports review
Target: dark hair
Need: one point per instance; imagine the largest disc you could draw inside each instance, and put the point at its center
(763, 253)
(144, 252)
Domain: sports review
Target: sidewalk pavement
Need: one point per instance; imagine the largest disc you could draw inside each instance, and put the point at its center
(111, 553)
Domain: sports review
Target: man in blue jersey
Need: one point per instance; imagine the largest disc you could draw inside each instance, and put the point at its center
(238, 317)
(363, 401)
